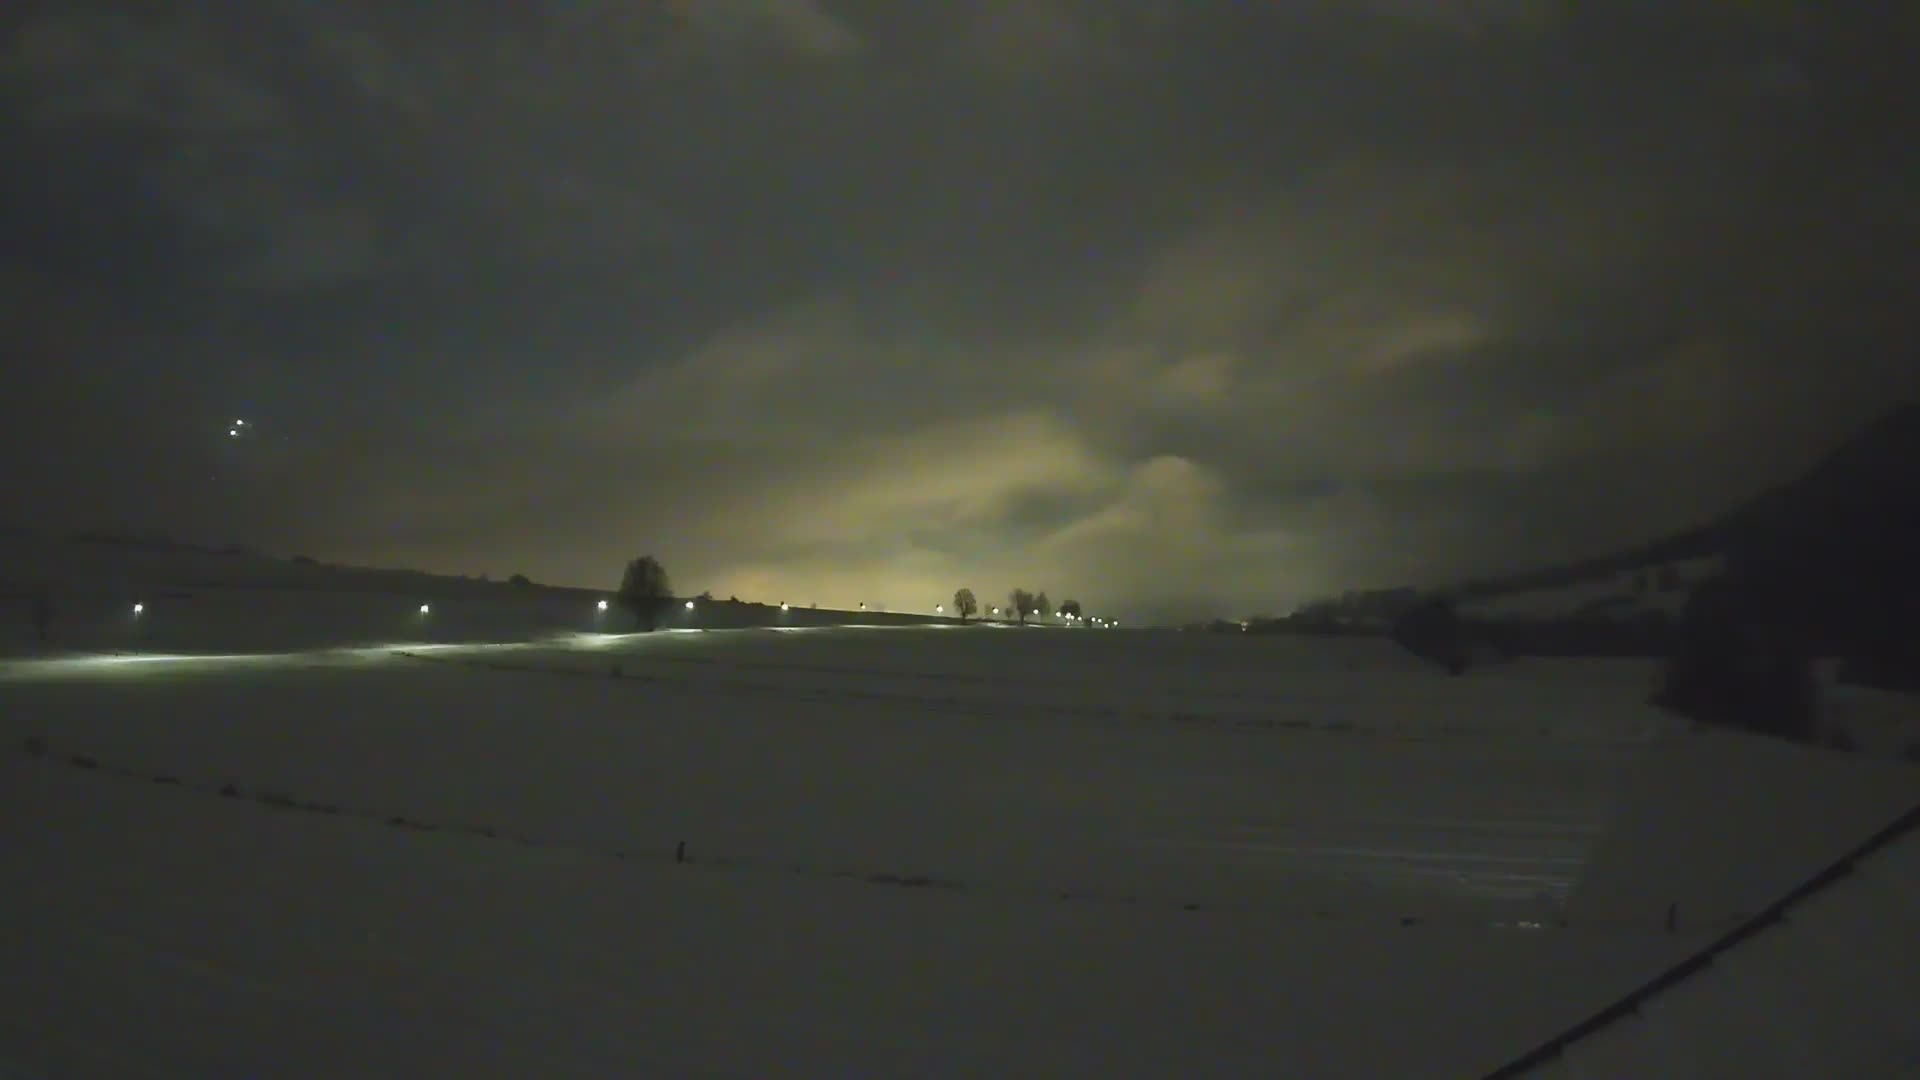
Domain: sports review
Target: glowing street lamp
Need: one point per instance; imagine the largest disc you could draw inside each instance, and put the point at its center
(602, 605)
(689, 605)
(939, 608)
(783, 605)
(139, 608)
(424, 608)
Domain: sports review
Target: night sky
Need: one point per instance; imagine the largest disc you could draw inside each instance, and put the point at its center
(1180, 307)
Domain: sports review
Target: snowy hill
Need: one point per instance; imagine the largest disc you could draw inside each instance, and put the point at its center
(1620, 596)
(851, 851)
(155, 595)
(1829, 539)
(795, 849)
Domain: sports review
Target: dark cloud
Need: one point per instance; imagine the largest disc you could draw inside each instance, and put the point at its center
(1184, 306)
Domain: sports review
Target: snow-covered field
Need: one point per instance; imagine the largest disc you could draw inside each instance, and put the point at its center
(907, 851)
(1628, 596)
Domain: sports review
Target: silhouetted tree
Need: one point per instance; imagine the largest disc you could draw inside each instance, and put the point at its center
(645, 590)
(1071, 607)
(1432, 631)
(1041, 605)
(1738, 663)
(518, 579)
(965, 604)
(1021, 601)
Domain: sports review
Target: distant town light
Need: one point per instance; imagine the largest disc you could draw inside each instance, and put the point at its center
(783, 605)
(602, 605)
(239, 423)
(424, 608)
(138, 608)
(233, 433)
(938, 608)
(689, 605)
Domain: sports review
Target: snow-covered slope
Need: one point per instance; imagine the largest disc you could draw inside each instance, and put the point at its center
(1822, 981)
(1623, 596)
(935, 852)
(120, 597)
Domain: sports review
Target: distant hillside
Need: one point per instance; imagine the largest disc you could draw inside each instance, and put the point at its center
(1854, 512)
(1837, 550)
(114, 559)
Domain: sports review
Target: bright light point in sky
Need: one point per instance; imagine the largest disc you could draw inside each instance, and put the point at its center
(939, 607)
(233, 433)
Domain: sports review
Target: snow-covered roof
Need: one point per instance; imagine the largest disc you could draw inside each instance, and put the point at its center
(1826, 982)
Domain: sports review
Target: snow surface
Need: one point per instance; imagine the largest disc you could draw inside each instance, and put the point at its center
(932, 851)
(1610, 596)
(1822, 985)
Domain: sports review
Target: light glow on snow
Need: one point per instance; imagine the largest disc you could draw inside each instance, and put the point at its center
(1323, 820)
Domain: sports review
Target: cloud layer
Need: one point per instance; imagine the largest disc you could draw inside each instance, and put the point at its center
(1179, 308)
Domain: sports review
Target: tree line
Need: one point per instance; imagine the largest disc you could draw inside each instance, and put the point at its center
(646, 592)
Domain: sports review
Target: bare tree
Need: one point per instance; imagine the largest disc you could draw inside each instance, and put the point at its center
(1041, 605)
(965, 604)
(1021, 601)
(645, 590)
